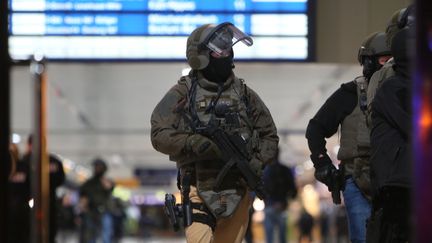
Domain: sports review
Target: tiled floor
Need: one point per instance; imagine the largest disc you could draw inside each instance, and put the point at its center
(153, 240)
(73, 238)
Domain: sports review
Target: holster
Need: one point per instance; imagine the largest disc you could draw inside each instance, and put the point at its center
(186, 178)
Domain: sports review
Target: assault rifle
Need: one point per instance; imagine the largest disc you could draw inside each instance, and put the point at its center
(233, 148)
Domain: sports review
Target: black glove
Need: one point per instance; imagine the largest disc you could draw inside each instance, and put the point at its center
(202, 146)
(324, 169)
(256, 165)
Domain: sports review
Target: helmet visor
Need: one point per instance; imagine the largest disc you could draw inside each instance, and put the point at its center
(224, 37)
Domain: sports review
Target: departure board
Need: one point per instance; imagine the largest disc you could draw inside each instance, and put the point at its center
(155, 29)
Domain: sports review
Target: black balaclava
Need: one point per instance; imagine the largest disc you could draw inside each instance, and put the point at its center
(399, 48)
(219, 69)
(370, 65)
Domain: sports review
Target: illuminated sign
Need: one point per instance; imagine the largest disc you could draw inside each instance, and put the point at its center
(153, 29)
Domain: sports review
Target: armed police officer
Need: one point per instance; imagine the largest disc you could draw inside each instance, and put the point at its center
(391, 117)
(346, 108)
(400, 19)
(220, 134)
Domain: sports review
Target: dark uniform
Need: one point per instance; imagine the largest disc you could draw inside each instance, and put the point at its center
(346, 108)
(390, 140)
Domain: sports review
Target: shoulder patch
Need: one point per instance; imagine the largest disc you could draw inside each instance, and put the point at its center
(183, 80)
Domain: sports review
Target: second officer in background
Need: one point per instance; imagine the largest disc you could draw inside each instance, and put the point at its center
(346, 108)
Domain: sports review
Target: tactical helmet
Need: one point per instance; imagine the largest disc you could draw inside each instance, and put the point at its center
(371, 49)
(373, 45)
(211, 38)
(392, 25)
(400, 19)
(198, 59)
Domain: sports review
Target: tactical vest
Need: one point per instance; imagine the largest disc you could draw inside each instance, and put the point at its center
(375, 83)
(232, 100)
(377, 79)
(354, 149)
(354, 141)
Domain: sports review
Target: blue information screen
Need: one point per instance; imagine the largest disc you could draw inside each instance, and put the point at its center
(154, 29)
(161, 5)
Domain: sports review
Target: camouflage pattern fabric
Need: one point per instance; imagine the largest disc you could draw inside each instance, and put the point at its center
(171, 127)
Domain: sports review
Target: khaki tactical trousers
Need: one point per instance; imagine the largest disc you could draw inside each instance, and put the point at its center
(228, 230)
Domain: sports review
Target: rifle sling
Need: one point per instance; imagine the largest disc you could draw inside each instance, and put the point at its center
(221, 175)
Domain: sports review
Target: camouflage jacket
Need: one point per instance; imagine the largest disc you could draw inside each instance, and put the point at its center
(167, 137)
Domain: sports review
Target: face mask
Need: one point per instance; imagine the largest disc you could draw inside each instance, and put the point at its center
(219, 69)
(370, 66)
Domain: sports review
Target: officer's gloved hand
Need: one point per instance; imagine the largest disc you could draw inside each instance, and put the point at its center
(202, 146)
(257, 166)
(324, 169)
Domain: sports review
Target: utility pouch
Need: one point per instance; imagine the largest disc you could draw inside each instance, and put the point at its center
(222, 202)
(361, 176)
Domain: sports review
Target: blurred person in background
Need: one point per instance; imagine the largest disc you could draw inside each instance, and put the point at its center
(19, 196)
(95, 205)
(280, 186)
(21, 192)
(67, 217)
(346, 108)
(324, 223)
(119, 215)
(305, 224)
(14, 158)
(56, 179)
(213, 96)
